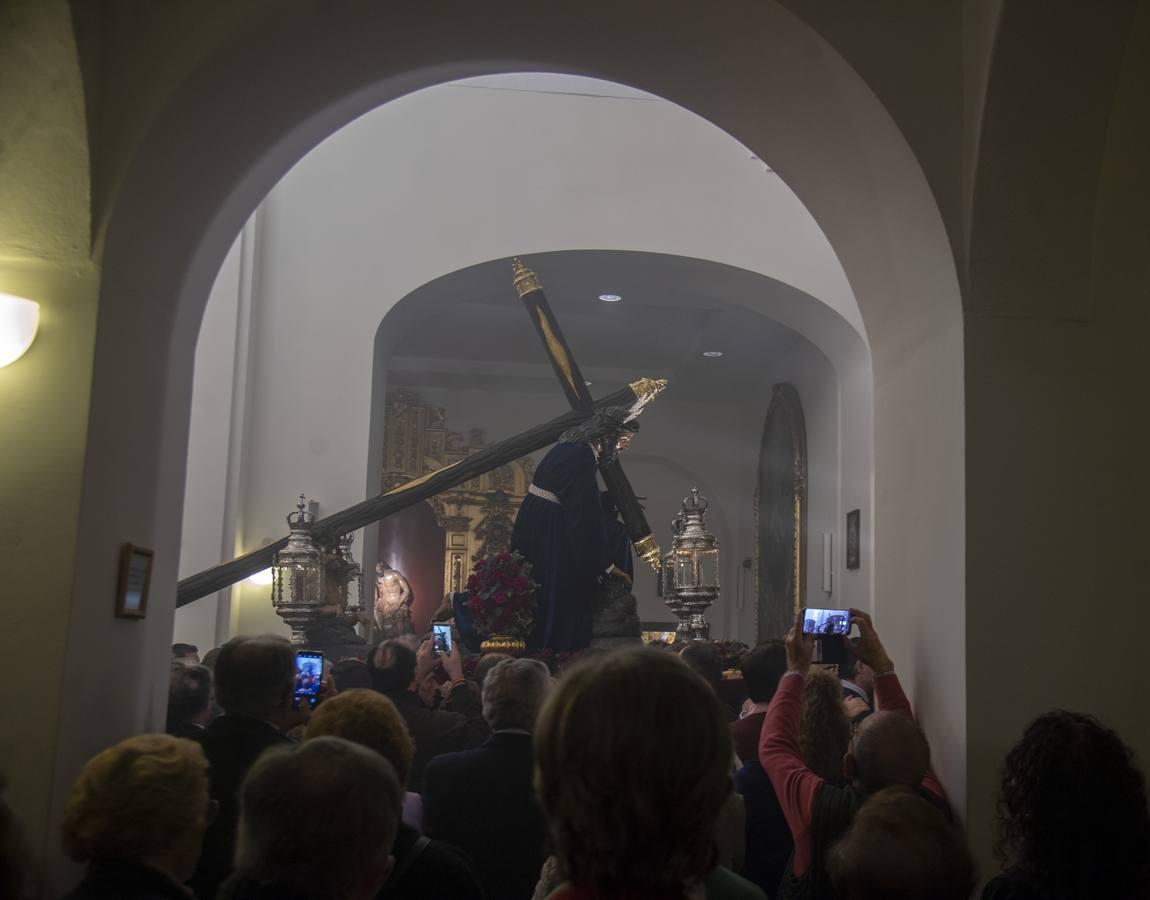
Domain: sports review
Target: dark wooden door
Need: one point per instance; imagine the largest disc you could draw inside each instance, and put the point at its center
(780, 515)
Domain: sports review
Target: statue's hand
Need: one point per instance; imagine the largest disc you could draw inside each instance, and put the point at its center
(616, 572)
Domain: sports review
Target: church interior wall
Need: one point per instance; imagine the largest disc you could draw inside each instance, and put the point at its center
(202, 541)
(1056, 389)
(800, 100)
(838, 453)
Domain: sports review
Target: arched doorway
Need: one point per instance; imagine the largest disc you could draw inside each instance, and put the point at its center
(787, 96)
(458, 351)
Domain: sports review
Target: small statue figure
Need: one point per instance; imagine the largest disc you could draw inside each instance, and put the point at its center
(393, 599)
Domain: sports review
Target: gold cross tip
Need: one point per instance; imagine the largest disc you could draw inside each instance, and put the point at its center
(524, 279)
(647, 389)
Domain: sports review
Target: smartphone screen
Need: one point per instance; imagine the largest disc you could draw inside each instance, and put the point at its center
(308, 675)
(441, 638)
(826, 621)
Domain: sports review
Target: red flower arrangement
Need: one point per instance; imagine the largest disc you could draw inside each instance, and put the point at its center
(731, 653)
(502, 595)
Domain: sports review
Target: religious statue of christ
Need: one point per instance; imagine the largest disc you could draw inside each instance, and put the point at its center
(561, 530)
(393, 599)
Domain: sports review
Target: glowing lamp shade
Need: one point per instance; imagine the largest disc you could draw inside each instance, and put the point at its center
(263, 578)
(19, 319)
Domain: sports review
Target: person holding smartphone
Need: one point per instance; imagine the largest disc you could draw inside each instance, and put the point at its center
(256, 680)
(887, 750)
(397, 672)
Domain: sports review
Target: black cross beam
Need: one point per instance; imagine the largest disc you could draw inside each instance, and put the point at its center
(531, 293)
(604, 418)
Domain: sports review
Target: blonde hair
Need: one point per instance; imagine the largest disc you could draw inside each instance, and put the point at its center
(135, 798)
(367, 718)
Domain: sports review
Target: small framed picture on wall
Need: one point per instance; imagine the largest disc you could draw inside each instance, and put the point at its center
(135, 578)
(854, 523)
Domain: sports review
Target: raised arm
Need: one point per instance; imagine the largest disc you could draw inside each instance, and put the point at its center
(795, 785)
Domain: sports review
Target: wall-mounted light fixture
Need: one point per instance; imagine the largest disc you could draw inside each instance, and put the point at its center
(19, 319)
(263, 578)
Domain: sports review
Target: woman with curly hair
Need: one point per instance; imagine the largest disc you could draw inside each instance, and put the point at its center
(1072, 815)
(824, 729)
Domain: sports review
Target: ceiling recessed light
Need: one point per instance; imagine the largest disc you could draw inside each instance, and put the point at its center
(610, 298)
(712, 354)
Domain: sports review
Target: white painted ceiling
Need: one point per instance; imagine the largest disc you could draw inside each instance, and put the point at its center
(468, 330)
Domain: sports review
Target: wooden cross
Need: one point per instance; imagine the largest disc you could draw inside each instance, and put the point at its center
(575, 388)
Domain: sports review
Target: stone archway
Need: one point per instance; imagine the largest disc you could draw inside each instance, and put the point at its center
(785, 94)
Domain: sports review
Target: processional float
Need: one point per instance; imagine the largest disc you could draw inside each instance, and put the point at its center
(602, 418)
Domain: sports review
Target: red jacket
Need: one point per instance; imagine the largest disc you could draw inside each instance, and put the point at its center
(795, 784)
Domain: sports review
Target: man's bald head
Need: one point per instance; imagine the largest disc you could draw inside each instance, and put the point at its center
(889, 749)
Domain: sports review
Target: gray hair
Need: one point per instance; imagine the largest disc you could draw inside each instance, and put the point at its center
(513, 692)
(320, 817)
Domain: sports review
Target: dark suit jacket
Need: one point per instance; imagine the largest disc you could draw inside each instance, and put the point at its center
(433, 871)
(231, 744)
(1014, 884)
(745, 736)
(189, 730)
(483, 802)
(769, 842)
(126, 880)
(459, 726)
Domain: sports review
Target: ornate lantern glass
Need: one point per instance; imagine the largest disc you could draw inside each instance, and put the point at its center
(691, 569)
(351, 574)
(297, 575)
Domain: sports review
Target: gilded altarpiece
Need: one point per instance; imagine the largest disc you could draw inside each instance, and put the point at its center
(477, 517)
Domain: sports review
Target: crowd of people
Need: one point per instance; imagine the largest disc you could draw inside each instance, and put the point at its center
(626, 775)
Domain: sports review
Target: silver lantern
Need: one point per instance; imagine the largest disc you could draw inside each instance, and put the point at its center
(691, 569)
(297, 575)
(350, 574)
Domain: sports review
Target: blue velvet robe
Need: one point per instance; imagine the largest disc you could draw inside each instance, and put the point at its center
(566, 543)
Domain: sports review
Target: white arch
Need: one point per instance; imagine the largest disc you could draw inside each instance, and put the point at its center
(301, 71)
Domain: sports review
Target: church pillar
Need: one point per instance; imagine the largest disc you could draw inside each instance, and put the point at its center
(1057, 493)
(44, 395)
